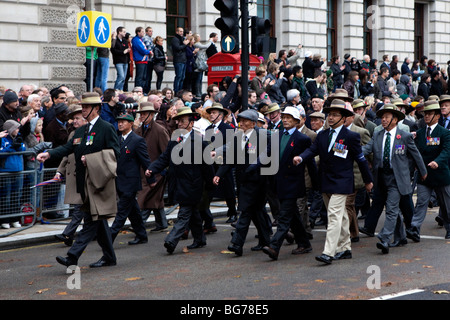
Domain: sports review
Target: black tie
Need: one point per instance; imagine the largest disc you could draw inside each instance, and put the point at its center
(121, 140)
(330, 136)
(429, 132)
(86, 131)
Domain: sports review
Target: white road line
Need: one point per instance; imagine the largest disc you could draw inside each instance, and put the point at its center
(400, 294)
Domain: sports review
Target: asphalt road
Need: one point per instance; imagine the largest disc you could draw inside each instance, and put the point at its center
(147, 272)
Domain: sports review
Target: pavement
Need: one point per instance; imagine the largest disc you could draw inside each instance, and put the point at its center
(45, 232)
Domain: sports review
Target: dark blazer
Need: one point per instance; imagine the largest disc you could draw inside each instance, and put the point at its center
(104, 137)
(252, 185)
(225, 189)
(190, 177)
(57, 135)
(413, 127)
(279, 126)
(133, 157)
(290, 179)
(336, 173)
(223, 127)
(439, 153)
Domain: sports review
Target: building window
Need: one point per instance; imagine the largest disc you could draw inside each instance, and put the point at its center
(177, 15)
(331, 29)
(368, 11)
(266, 10)
(419, 19)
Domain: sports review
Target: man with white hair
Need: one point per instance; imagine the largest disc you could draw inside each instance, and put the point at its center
(293, 98)
(34, 101)
(25, 91)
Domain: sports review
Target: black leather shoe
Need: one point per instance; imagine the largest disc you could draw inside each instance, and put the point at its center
(398, 243)
(170, 247)
(439, 220)
(196, 245)
(257, 248)
(158, 229)
(102, 263)
(312, 223)
(413, 235)
(355, 239)
(272, 253)
(236, 249)
(66, 261)
(231, 219)
(63, 238)
(210, 230)
(290, 237)
(366, 232)
(301, 250)
(383, 246)
(325, 259)
(137, 241)
(347, 254)
(447, 235)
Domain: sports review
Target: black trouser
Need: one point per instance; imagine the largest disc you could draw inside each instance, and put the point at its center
(289, 217)
(188, 215)
(256, 214)
(99, 228)
(148, 77)
(77, 217)
(128, 207)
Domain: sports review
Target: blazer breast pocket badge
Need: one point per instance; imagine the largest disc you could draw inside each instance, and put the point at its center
(340, 150)
(399, 149)
(433, 141)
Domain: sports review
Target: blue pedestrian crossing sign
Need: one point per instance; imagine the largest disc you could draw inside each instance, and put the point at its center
(84, 29)
(101, 30)
(228, 44)
(94, 29)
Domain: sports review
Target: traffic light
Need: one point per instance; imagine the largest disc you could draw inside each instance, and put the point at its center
(260, 42)
(228, 24)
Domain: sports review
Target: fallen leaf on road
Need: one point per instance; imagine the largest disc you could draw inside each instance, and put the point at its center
(185, 250)
(133, 279)
(404, 261)
(45, 266)
(441, 292)
(42, 290)
(428, 267)
(62, 293)
(320, 281)
(226, 252)
(237, 276)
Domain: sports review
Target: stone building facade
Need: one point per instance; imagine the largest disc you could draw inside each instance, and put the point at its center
(38, 36)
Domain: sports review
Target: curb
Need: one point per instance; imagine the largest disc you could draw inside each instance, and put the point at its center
(20, 240)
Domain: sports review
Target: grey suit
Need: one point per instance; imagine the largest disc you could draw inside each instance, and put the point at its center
(397, 181)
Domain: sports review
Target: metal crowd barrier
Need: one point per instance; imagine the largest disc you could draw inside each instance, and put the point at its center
(18, 201)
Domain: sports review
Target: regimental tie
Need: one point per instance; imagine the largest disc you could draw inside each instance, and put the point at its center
(387, 152)
(330, 137)
(428, 132)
